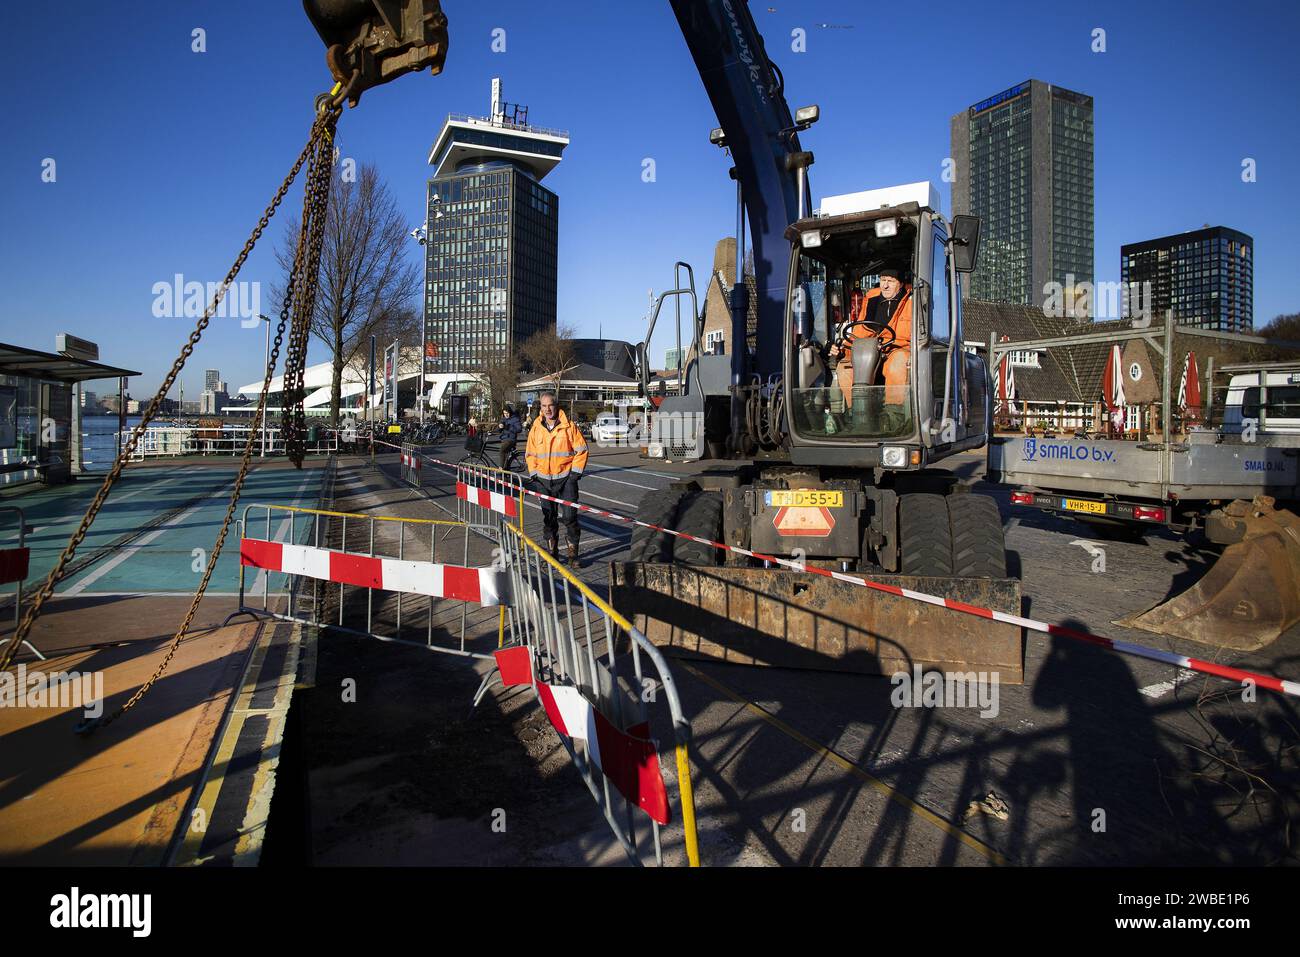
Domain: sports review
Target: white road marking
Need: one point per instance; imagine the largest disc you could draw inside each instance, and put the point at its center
(260, 582)
(1162, 688)
(582, 495)
(126, 553)
(652, 488)
(149, 594)
(113, 500)
(624, 468)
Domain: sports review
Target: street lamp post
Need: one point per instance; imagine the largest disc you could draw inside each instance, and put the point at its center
(421, 235)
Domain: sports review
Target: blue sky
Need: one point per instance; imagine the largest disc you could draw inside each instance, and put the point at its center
(166, 157)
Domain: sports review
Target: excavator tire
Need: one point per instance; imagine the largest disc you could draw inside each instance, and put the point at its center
(700, 514)
(978, 547)
(657, 508)
(924, 535)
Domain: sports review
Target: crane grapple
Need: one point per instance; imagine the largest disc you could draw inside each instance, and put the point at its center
(369, 42)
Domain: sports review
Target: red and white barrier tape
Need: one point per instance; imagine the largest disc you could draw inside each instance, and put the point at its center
(487, 586)
(1270, 682)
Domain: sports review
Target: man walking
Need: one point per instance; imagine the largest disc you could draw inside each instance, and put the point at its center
(556, 454)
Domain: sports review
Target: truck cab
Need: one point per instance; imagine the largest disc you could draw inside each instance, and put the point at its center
(1270, 397)
(841, 411)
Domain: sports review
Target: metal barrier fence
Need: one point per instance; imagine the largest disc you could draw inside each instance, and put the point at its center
(567, 643)
(489, 498)
(586, 663)
(15, 562)
(173, 441)
(405, 560)
(412, 466)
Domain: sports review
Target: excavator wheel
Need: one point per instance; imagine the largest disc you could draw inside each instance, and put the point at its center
(657, 508)
(978, 547)
(924, 535)
(701, 515)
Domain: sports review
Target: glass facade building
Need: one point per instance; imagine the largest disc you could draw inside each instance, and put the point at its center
(1206, 277)
(491, 240)
(490, 277)
(1023, 163)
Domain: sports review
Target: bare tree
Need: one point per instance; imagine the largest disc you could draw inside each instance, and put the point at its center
(500, 373)
(366, 281)
(1285, 327)
(550, 353)
(404, 325)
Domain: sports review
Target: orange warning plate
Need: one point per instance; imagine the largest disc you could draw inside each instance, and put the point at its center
(814, 521)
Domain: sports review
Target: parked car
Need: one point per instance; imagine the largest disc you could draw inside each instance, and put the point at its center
(609, 429)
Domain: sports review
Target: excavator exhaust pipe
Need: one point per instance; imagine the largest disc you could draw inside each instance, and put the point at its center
(1251, 595)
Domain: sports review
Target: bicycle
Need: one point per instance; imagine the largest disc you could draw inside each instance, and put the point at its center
(476, 450)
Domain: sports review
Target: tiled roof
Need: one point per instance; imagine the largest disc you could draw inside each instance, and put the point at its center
(1072, 373)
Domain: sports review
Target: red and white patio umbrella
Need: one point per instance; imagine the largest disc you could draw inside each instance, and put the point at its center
(1006, 388)
(1189, 391)
(1112, 387)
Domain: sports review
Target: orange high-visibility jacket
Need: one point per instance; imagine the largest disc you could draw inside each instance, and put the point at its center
(557, 452)
(901, 321)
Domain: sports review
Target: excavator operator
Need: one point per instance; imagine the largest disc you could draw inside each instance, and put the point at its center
(885, 315)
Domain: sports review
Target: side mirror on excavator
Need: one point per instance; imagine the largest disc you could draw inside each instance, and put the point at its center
(965, 242)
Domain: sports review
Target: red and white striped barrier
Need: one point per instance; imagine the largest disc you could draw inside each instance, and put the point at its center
(412, 461)
(627, 758)
(507, 505)
(487, 586)
(1200, 665)
(14, 564)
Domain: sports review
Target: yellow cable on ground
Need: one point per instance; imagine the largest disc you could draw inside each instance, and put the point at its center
(871, 780)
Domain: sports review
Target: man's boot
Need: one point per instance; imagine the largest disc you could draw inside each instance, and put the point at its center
(553, 545)
(573, 554)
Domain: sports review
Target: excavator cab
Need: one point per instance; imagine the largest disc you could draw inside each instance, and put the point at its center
(866, 391)
(843, 346)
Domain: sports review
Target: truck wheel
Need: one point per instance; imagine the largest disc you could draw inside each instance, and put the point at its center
(700, 514)
(978, 547)
(924, 535)
(657, 508)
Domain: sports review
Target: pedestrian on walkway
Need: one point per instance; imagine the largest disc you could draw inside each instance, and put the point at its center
(557, 454)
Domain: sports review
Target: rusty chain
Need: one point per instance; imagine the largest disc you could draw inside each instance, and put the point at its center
(315, 209)
(300, 274)
(319, 149)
